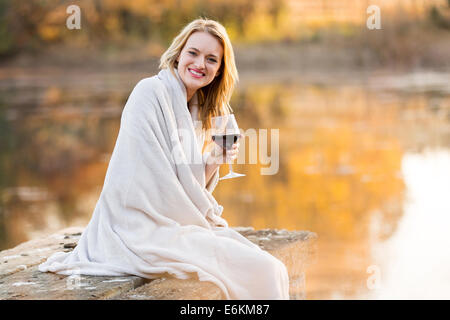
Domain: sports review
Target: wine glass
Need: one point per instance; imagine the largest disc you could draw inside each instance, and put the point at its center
(225, 132)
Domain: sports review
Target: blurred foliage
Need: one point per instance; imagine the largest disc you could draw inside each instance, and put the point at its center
(6, 42)
(440, 16)
(34, 24)
(30, 24)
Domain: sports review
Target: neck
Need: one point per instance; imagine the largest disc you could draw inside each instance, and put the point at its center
(189, 95)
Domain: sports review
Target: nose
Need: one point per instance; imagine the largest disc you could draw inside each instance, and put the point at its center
(200, 62)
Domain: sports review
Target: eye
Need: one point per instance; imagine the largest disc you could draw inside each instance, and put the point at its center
(192, 52)
(212, 60)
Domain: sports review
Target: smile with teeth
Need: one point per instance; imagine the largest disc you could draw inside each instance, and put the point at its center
(198, 74)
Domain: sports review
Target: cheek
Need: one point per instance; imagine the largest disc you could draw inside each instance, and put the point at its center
(183, 61)
(213, 72)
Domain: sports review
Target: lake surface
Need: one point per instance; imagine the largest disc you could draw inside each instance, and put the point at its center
(363, 161)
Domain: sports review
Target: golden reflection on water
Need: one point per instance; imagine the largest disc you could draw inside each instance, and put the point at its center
(340, 165)
(337, 167)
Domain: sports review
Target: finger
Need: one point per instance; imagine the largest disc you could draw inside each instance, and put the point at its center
(231, 158)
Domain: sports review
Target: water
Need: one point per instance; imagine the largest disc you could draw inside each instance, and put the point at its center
(363, 161)
(415, 260)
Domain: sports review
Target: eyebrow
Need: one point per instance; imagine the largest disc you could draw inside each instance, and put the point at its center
(208, 54)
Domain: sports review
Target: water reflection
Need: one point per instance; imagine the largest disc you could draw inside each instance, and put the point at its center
(341, 167)
(52, 163)
(414, 262)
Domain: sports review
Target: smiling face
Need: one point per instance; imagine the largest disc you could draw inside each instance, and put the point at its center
(199, 61)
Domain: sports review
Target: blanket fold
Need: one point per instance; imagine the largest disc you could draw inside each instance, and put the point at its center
(157, 215)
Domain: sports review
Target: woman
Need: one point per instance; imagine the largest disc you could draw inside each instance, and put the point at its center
(156, 215)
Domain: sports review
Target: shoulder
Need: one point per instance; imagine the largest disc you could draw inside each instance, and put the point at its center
(148, 90)
(148, 85)
(144, 97)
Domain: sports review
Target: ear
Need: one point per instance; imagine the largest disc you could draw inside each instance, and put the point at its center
(217, 73)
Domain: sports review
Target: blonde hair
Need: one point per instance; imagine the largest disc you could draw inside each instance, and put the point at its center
(213, 99)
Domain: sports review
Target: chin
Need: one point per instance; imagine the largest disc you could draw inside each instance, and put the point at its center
(193, 82)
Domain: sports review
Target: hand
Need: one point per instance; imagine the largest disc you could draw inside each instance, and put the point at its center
(221, 156)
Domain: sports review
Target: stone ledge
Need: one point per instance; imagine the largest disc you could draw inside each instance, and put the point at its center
(20, 278)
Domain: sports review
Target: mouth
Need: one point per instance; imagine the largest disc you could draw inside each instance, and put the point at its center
(195, 73)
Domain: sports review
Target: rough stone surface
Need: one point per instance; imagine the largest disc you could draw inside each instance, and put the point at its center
(20, 278)
(173, 289)
(36, 285)
(34, 252)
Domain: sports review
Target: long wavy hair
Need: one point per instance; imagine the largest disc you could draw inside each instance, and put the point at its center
(213, 99)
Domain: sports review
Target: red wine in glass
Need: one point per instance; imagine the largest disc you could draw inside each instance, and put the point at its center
(226, 141)
(226, 133)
